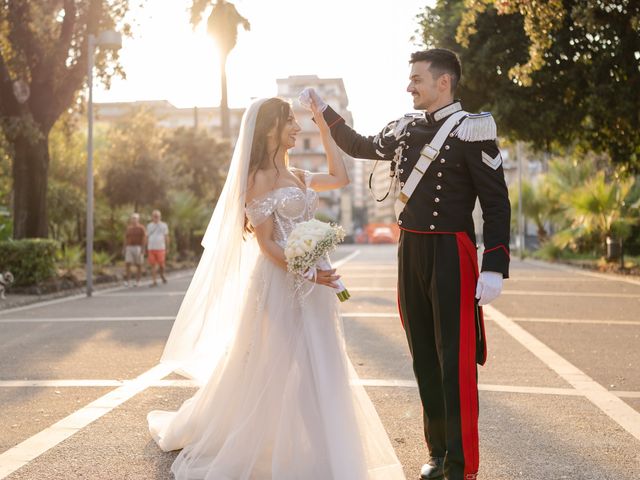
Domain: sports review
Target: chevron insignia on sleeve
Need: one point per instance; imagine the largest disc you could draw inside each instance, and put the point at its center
(493, 162)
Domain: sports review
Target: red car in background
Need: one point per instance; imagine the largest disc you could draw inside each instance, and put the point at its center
(382, 235)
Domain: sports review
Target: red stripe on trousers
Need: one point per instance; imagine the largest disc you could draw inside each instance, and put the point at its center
(399, 309)
(467, 355)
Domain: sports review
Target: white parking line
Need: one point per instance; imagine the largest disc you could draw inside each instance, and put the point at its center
(579, 271)
(551, 279)
(608, 402)
(368, 276)
(138, 293)
(370, 315)
(80, 296)
(371, 289)
(546, 293)
(18, 456)
(377, 267)
(588, 321)
(346, 259)
(85, 319)
(366, 382)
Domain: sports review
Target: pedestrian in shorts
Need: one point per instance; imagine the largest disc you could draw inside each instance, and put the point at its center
(157, 245)
(135, 240)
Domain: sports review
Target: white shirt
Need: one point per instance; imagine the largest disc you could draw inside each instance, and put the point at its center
(155, 234)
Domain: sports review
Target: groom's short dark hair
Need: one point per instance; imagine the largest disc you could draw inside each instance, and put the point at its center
(442, 61)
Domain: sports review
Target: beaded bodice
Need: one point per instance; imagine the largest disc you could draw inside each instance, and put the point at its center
(288, 206)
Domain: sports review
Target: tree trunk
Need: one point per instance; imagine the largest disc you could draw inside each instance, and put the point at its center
(30, 171)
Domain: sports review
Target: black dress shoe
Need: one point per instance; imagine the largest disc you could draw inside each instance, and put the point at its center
(433, 469)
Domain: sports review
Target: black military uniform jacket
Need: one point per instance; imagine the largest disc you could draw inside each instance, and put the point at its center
(469, 165)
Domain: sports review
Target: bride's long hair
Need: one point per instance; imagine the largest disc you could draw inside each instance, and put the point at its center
(273, 113)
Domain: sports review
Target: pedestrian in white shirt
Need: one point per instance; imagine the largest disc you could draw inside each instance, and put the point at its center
(157, 245)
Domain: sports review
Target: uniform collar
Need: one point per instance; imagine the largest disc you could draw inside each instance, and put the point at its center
(442, 112)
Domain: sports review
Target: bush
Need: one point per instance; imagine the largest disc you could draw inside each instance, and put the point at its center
(30, 260)
(69, 258)
(549, 251)
(101, 260)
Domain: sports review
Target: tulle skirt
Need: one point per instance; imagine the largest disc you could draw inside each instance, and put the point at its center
(282, 402)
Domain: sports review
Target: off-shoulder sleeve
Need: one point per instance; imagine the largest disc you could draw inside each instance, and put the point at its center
(259, 210)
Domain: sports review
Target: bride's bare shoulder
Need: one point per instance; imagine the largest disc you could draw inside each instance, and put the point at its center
(259, 184)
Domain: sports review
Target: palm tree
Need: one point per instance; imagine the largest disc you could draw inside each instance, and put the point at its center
(539, 205)
(186, 214)
(222, 25)
(601, 209)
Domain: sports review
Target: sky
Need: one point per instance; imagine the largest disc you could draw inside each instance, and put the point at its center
(365, 42)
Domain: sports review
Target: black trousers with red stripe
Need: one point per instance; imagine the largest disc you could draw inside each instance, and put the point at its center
(436, 297)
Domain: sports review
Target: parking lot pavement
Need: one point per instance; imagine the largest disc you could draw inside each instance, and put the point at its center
(559, 396)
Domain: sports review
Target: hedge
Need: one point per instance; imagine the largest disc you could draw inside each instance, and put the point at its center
(30, 260)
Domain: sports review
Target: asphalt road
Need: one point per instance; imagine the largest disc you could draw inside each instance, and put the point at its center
(559, 396)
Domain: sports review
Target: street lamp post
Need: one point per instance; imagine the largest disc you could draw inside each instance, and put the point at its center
(521, 239)
(111, 40)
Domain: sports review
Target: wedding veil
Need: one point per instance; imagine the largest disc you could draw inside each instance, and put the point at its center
(207, 320)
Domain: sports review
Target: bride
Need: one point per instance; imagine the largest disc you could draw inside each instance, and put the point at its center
(278, 397)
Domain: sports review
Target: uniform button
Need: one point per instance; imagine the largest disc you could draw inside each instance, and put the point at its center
(435, 214)
(404, 159)
(413, 124)
(437, 200)
(451, 135)
(399, 222)
(402, 184)
(432, 227)
(439, 174)
(447, 147)
(438, 187)
(442, 160)
(401, 170)
(408, 134)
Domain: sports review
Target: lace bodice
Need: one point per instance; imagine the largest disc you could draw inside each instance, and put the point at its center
(288, 206)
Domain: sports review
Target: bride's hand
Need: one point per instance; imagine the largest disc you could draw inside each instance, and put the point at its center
(326, 277)
(319, 117)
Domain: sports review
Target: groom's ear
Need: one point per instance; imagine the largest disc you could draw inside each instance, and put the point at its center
(444, 82)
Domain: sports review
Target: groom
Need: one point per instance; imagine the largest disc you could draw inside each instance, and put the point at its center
(443, 160)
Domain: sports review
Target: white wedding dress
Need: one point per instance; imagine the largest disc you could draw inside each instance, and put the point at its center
(282, 402)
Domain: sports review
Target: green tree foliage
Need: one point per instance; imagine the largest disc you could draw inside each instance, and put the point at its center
(66, 194)
(198, 162)
(133, 170)
(561, 72)
(43, 65)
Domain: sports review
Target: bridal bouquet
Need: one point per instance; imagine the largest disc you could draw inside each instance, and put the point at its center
(307, 248)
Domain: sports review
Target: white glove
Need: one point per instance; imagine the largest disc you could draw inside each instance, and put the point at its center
(489, 287)
(306, 96)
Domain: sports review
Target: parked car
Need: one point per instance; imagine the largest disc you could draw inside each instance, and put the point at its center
(382, 235)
